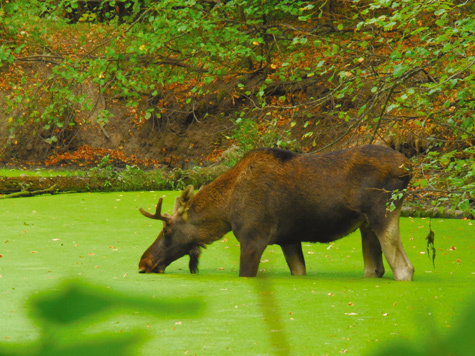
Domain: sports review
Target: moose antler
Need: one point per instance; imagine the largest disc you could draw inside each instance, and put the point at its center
(158, 215)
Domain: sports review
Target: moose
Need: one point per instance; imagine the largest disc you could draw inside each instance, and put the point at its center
(273, 196)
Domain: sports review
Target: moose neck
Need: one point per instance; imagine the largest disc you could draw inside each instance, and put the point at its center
(210, 211)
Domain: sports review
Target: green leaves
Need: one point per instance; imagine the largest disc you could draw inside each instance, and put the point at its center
(75, 304)
(6, 55)
(72, 304)
(458, 341)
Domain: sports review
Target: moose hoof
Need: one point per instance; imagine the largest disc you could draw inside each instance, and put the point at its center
(377, 273)
(404, 276)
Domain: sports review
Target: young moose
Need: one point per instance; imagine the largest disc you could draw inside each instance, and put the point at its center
(277, 197)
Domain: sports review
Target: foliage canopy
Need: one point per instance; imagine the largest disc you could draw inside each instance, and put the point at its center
(342, 72)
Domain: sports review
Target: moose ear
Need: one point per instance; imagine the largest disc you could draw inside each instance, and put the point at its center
(184, 202)
(188, 193)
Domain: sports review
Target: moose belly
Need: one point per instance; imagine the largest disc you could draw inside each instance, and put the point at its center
(317, 230)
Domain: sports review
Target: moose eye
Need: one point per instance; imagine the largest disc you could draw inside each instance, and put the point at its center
(167, 231)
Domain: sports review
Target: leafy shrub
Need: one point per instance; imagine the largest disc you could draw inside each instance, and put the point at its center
(249, 134)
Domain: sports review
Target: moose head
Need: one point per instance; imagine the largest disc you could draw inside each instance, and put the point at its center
(175, 240)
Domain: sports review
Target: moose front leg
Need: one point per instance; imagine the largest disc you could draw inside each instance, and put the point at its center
(251, 254)
(295, 260)
(372, 253)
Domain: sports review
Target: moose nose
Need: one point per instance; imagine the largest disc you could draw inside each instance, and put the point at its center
(145, 265)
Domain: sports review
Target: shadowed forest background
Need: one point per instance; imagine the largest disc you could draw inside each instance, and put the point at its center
(177, 85)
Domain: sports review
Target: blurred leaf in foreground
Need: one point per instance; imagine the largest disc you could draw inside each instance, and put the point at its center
(76, 301)
(459, 342)
(60, 312)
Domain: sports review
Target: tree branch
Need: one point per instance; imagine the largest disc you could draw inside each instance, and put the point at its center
(26, 193)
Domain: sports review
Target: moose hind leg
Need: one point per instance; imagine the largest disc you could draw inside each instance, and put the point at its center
(387, 231)
(372, 253)
(251, 254)
(295, 260)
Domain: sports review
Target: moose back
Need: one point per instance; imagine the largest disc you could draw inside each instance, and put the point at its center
(277, 197)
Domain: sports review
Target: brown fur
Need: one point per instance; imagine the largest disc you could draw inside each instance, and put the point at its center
(277, 197)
